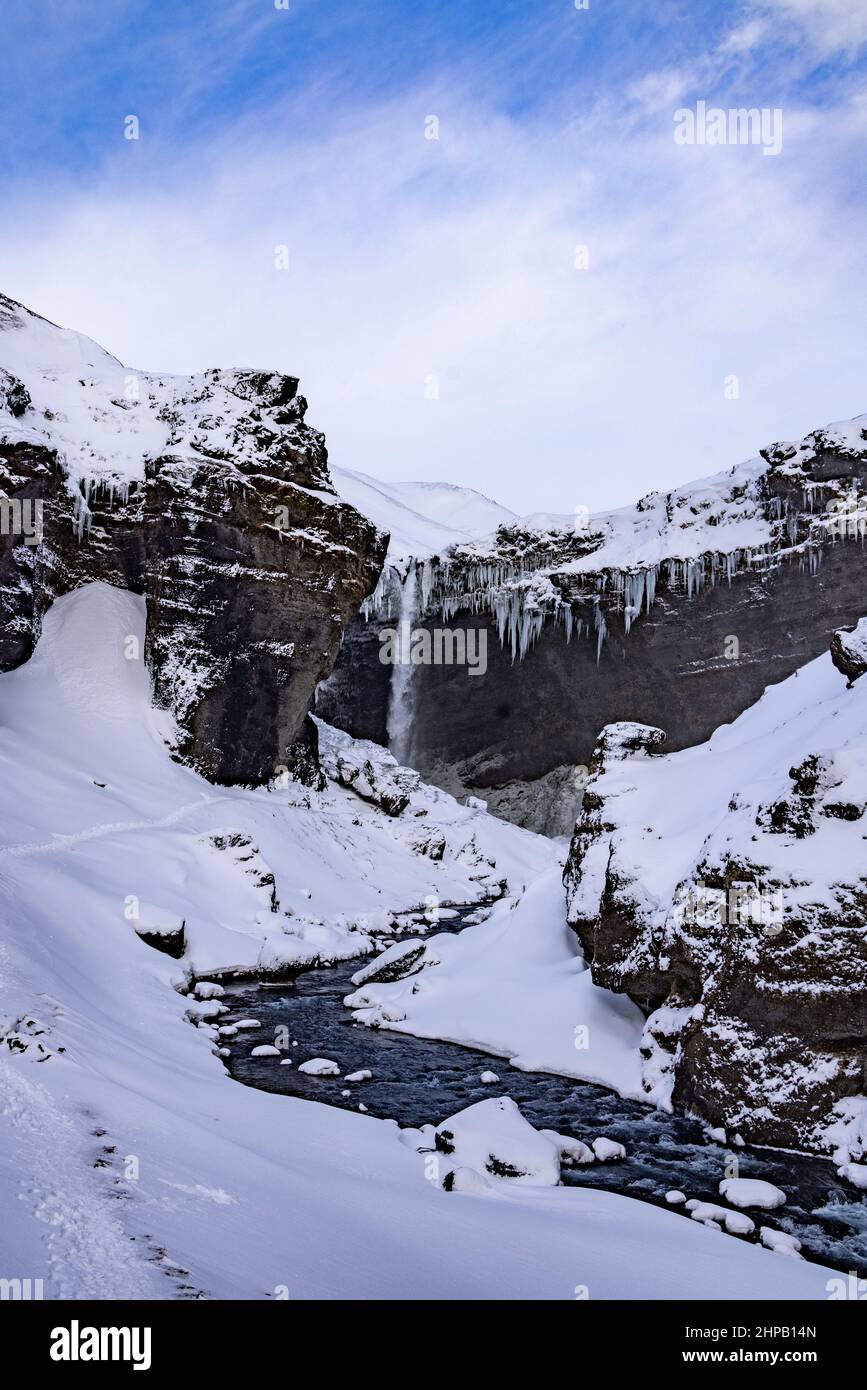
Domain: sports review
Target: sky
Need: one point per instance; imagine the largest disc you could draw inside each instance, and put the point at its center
(467, 227)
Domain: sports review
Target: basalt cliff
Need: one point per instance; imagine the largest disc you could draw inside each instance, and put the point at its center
(211, 496)
(724, 888)
(676, 612)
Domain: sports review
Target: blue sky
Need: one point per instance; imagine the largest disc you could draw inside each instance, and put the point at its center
(411, 261)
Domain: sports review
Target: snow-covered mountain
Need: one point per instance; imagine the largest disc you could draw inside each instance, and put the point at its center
(131, 1164)
(174, 822)
(422, 519)
(677, 612)
(208, 494)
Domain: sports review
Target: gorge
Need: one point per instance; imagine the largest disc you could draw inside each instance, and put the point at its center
(216, 785)
(676, 612)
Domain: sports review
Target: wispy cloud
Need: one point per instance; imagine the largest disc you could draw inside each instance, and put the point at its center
(830, 26)
(412, 259)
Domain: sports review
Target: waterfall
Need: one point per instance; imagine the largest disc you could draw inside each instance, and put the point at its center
(400, 701)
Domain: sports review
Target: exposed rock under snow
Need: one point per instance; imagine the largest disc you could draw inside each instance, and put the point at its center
(723, 887)
(394, 963)
(493, 1138)
(466, 1180)
(849, 651)
(573, 1152)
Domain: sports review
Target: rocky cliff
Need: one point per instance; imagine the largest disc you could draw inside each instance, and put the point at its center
(677, 611)
(724, 888)
(208, 494)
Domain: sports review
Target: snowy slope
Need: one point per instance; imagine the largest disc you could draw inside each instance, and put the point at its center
(702, 802)
(422, 518)
(720, 513)
(772, 807)
(516, 985)
(221, 1189)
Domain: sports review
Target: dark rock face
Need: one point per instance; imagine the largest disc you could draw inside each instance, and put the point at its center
(849, 651)
(752, 963)
(251, 584)
(516, 735)
(250, 564)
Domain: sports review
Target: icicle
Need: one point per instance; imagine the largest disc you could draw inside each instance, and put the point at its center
(601, 628)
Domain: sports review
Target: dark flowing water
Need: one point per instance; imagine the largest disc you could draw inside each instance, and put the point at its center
(416, 1081)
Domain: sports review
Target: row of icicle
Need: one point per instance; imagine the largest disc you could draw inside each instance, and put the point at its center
(521, 598)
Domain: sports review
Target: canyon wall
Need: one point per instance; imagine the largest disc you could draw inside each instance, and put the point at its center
(210, 496)
(678, 613)
(724, 888)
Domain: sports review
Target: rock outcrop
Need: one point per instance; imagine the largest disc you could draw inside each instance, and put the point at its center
(724, 888)
(211, 496)
(675, 612)
(849, 651)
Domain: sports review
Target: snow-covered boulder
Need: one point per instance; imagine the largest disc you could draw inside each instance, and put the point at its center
(855, 1173)
(208, 989)
(306, 944)
(573, 1152)
(366, 769)
(709, 1214)
(395, 963)
(493, 1137)
(466, 1180)
(849, 651)
(320, 1066)
(780, 1242)
(161, 928)
(608, 1150)
(752, 1192)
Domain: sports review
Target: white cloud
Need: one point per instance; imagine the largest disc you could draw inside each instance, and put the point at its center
(455, 258)
(661, 90)
(745, 37)
(832, 26)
